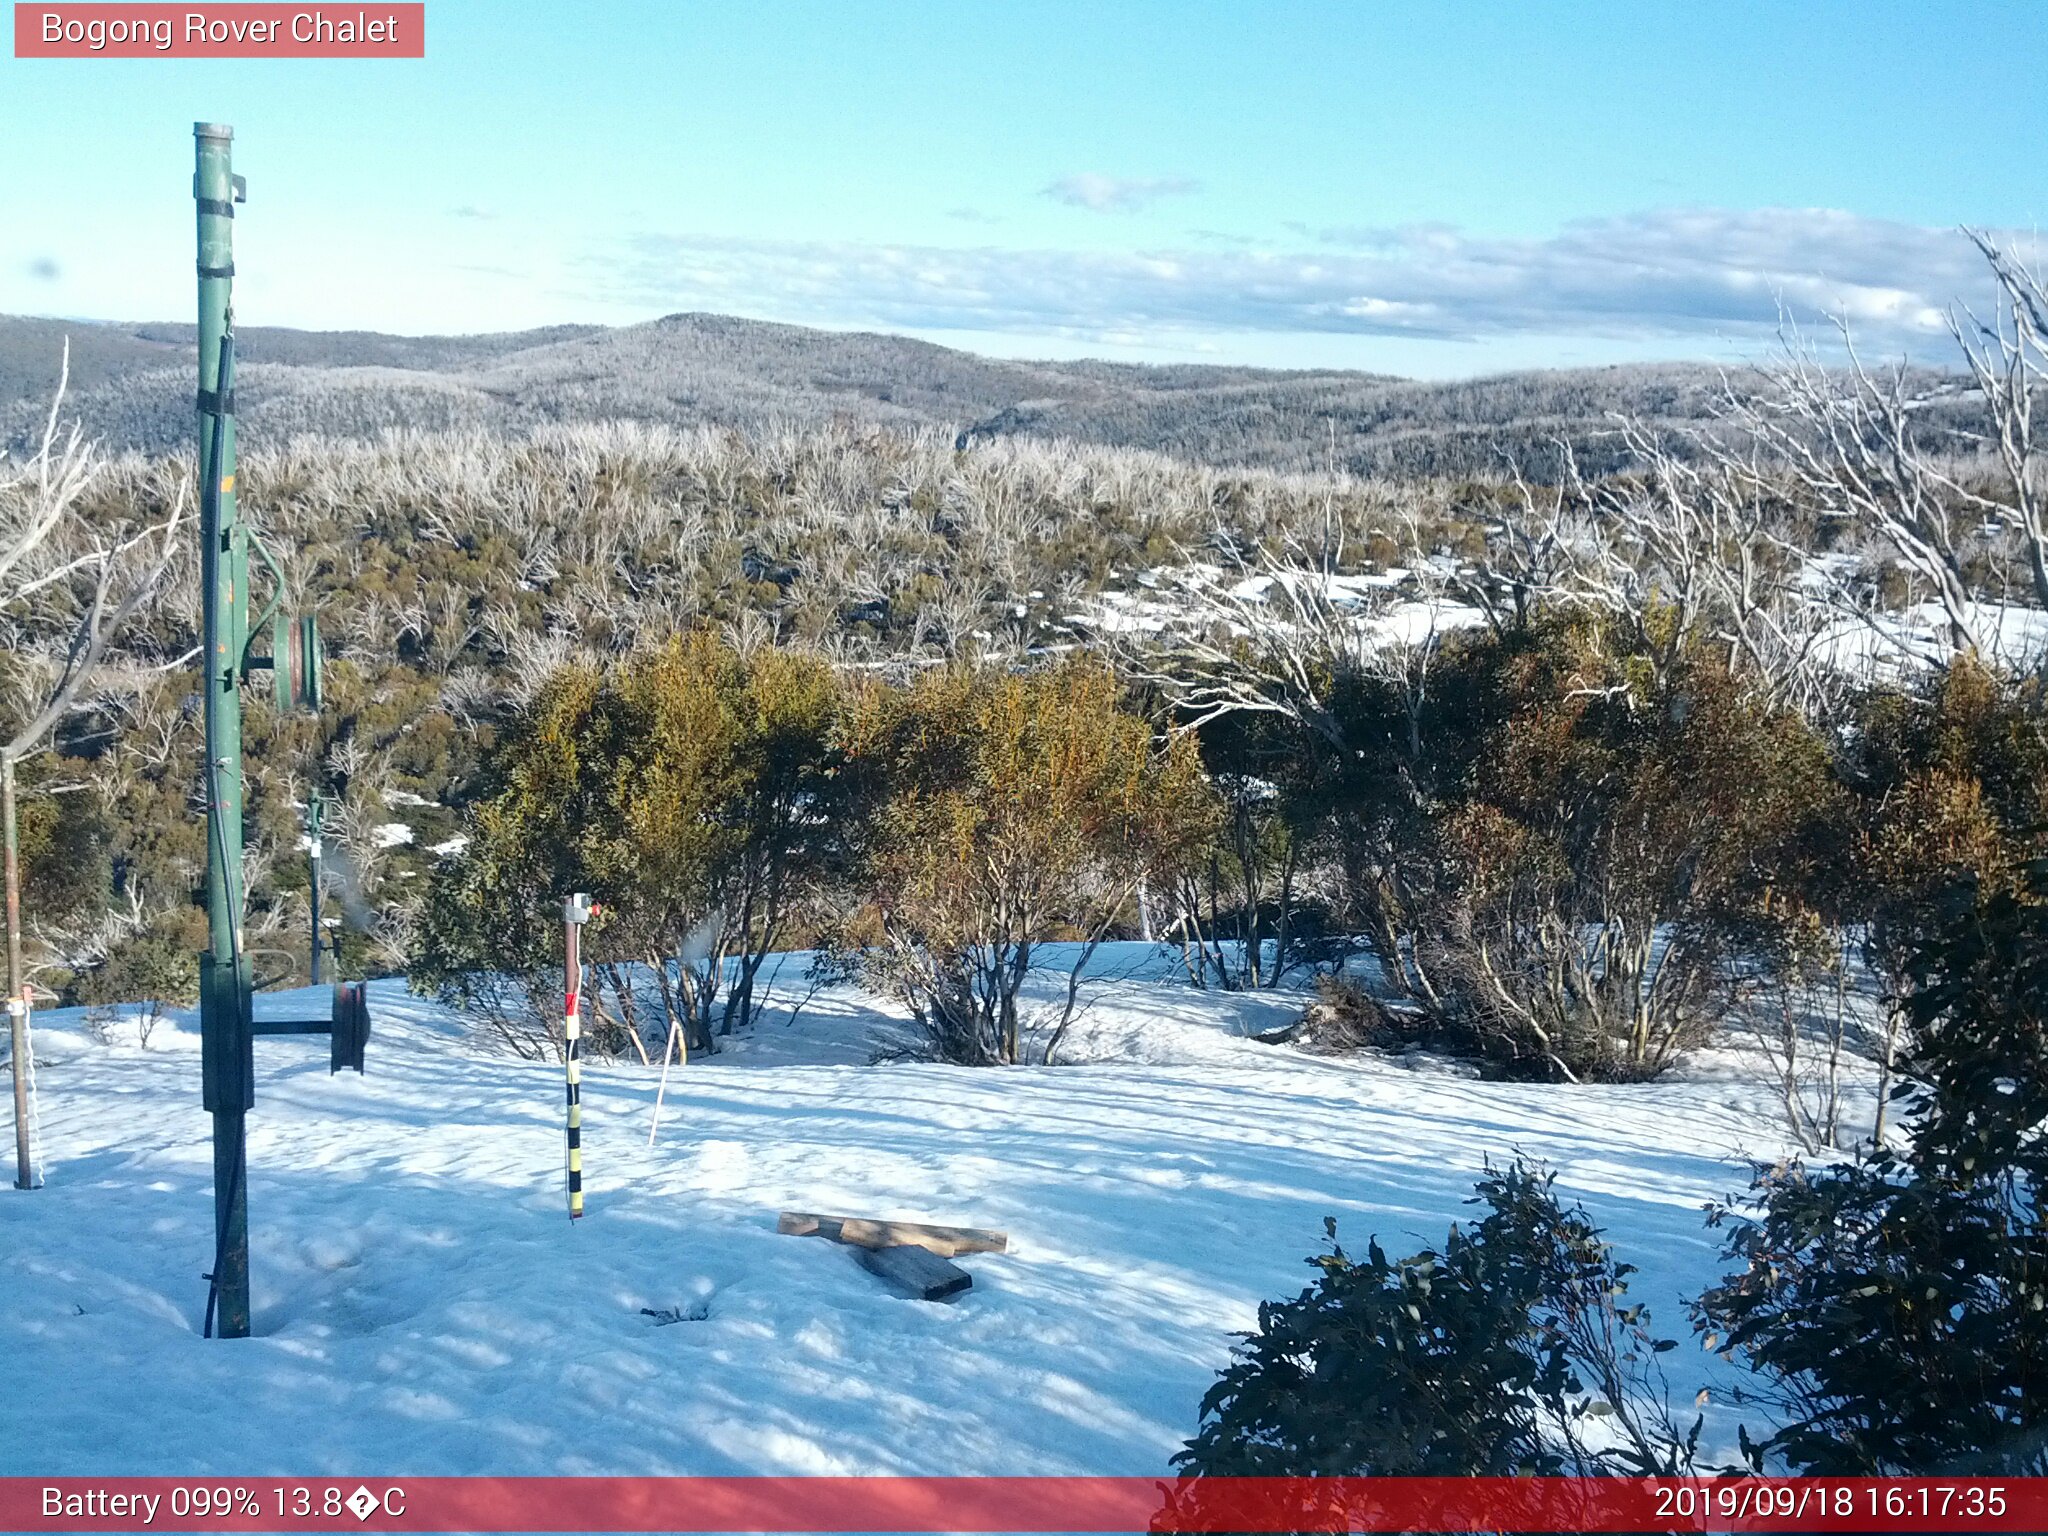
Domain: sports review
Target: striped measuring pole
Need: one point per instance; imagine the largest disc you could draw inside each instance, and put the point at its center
(576, 912)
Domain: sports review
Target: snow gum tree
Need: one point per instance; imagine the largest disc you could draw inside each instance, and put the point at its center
(1565, 862)
(1263, 884)
(685, 790)
(1619, 849)
(1000, 812)
(69, 586)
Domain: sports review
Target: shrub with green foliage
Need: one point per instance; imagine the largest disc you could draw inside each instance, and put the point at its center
(1252, 910)
(687, 791)
(153, 968)
(1952, 779)
(1618, 847)
(66, 851)
(1564, 853)
(995, 813)
(1508, 1352)
(1950, 782)
(1896, 1307)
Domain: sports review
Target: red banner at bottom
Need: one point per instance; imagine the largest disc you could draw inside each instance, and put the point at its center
(1024, 1504)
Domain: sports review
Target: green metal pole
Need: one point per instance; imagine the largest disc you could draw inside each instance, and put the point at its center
(227, 1041)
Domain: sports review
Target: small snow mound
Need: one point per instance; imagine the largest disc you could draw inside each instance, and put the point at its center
(329, 1252)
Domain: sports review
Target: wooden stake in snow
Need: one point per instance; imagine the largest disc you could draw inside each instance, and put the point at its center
(17, 985)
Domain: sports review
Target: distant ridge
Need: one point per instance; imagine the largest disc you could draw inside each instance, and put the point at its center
(132, 388)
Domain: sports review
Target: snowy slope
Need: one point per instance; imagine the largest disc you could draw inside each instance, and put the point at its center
(423, 1306)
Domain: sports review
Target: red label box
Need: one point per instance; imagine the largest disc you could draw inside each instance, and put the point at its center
(373, 30)
(1144, 1506)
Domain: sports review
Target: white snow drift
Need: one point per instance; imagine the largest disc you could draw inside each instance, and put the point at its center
(423, 1305)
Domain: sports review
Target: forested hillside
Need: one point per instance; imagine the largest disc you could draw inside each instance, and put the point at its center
(133, 385)
(1715, 595)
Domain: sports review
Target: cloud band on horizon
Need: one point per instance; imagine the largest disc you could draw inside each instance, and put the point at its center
(1667, 273)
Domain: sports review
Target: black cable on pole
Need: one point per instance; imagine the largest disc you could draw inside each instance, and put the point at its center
(223, 375)
(215, 825)
(220, 1247)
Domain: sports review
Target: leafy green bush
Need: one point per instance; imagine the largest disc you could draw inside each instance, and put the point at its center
(1563, 850)
(995, 813)
(1895, 1308)
(1507, 1352)
(686, 790)
(157, 966)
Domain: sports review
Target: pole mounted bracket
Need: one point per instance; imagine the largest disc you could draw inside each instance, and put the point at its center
(295, 661)
(238, 191)
(297, 671)
(347, 1028)
(349, 1035)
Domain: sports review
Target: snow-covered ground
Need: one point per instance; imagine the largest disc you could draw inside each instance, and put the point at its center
(1387, 608)
(1893, 646)
(424, 1306)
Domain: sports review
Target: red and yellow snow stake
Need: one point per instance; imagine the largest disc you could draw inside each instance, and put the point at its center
(576, 912)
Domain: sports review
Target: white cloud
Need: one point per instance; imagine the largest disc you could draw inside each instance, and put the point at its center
(1117, 194)
(1685, 274)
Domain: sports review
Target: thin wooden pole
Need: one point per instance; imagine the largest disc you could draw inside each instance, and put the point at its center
(668, 1050)
(313, 852)
(17, 983)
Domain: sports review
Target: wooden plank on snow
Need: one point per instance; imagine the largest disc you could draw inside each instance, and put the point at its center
(917, 1270)
(865, 1232)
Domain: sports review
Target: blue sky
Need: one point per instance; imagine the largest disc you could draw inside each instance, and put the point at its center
(1425, 189)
